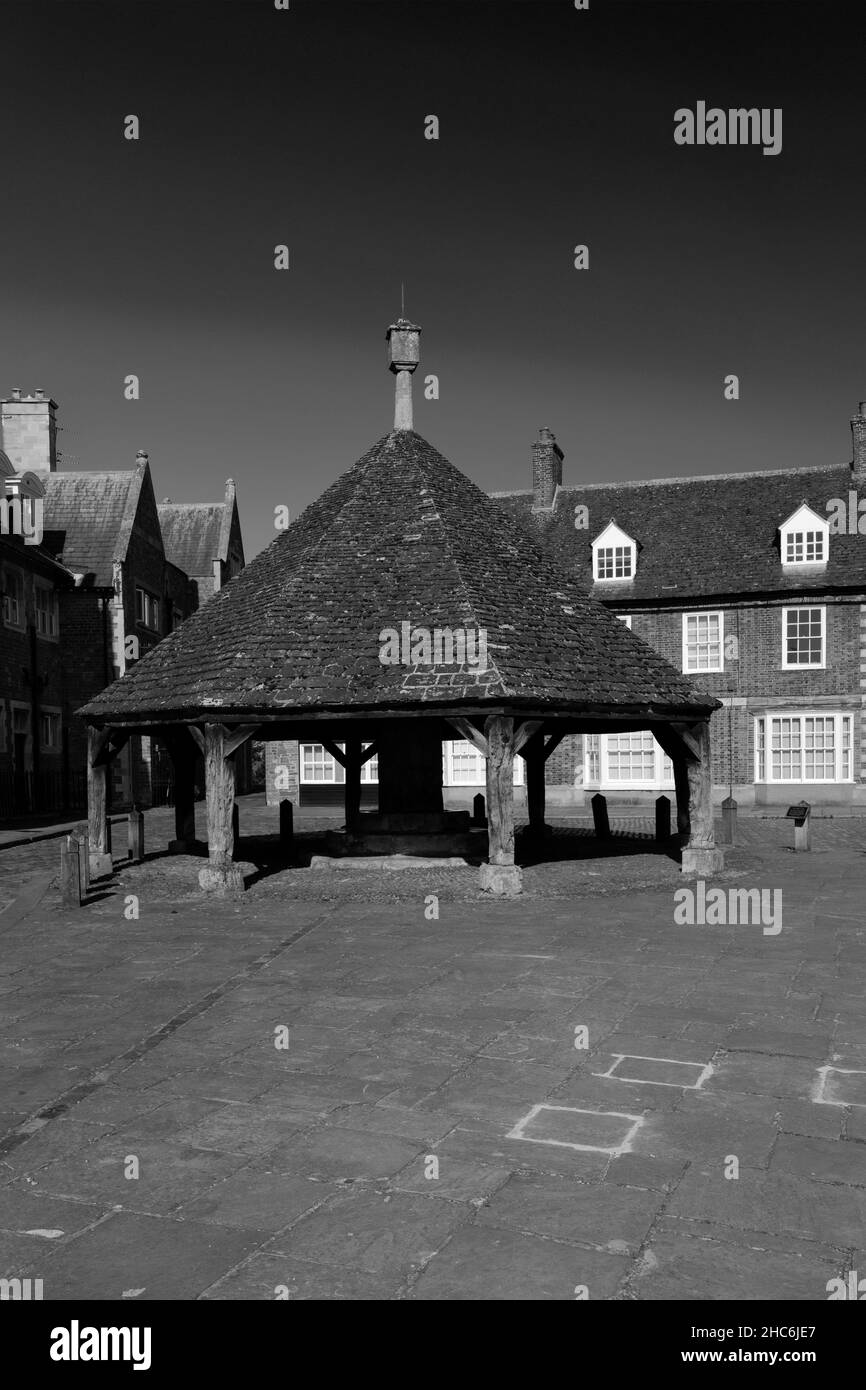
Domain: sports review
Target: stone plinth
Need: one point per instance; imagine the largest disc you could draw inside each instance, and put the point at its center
(699, 859)
(224, 880)
(501, 880)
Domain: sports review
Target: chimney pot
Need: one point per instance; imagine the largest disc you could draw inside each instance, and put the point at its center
(16, 393)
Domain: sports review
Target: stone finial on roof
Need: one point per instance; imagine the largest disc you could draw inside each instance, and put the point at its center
(404, 354)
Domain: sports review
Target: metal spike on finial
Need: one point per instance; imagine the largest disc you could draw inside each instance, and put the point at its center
(402, 303)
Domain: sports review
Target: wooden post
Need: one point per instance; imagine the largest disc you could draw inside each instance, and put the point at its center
(729, 821)
(479, 816)
(81, 834)
(287, 812)
(221, 875)
(97, 805)
(500, 876)
(70, 871)
(183, 755)
(219, 774)
(663, 819)
(600, 816)
(701, 826)
(136, 835)
(534, 763)
(236, 825)
(499, 731)
(353, 782)
(681, 783)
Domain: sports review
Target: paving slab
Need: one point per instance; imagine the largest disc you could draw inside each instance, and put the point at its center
(371, 1231)
(689, 1268)
(152, 1256)
(488, 1264)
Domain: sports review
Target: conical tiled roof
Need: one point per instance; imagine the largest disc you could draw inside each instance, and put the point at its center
(403, 536)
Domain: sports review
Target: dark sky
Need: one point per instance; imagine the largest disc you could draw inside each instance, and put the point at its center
(307, 127)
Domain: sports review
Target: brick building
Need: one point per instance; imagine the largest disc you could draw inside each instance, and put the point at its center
(122, 586)
(35, 766)
(751, 584)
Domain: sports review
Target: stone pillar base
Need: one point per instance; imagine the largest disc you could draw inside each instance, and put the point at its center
(100, 865)
(224, 880)
(501, 880)
(701, 859)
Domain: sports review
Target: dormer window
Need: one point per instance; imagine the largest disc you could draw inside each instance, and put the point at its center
(614, 556)
(805, 539)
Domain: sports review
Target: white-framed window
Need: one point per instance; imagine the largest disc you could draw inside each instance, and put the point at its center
(319, 768)
(464, 766)
(703, 642)
(13, 597)
(47, 611)
(625, 618)
(614, 556)
(147, 609)
(626, 760)
(805, 538)
(50, 730)
(804, 746)
(804, 636)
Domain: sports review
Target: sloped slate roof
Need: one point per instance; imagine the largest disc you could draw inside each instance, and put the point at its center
(700, 538)
(90, 508)
(191, 533)
(401, 537)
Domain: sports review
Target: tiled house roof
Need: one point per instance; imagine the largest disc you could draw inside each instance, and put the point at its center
(96, 512)
(699, 538)
(401, 537)
(191, 533)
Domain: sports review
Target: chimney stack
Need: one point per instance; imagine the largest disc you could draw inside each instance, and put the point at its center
(28, 431)
(858, 433)
(546, 469)
(404, 354)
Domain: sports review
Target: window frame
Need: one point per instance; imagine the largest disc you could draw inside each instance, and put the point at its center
(703, 670)
(21, 625)
(843, 757)
(612, 539)
(43, 586)
(149, 599)
(804, 665)
(799, 524)
(51, 712)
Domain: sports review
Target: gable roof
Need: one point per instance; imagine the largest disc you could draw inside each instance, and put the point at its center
(191, 534)
(96, 511)
(401, 537)
(699, 538)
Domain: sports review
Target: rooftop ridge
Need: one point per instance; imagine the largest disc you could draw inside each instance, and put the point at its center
(688, 478)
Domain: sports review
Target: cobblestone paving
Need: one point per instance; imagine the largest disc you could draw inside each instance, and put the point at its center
(430, 1130)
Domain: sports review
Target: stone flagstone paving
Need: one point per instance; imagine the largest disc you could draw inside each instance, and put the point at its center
(371, 1158)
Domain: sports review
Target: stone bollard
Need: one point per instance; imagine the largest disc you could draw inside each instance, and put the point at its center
(82, 834)
(663, 819)
(479, 814)
(136, 836)
(801, 814)
(600, 816)
(729, 821)
(287, 824)
(70, 871)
